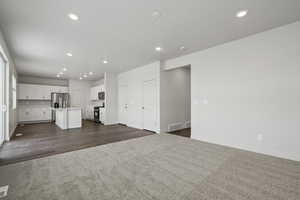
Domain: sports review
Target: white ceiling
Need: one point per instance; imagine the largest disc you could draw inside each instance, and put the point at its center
(39, 33)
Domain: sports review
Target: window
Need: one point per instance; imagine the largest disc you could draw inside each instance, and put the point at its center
(14, 91)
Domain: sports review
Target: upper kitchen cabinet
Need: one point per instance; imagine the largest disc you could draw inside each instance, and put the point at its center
(59, 89)
(94, 92)
(38, 92)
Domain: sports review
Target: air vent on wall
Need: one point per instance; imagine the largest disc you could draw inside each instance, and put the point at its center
(175, 127)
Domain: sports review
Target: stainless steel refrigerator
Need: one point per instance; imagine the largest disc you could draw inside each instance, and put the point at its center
(59, 100)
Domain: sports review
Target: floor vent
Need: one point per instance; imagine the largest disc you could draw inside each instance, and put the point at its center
(3, 191)
(175, 127)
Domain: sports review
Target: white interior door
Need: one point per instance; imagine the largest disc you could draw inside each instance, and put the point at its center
(123, 104)
(149, 105)
(2, 100)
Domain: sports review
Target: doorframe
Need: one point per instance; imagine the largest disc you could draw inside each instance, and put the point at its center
(156, 104)
(6, 93)
(119, 96)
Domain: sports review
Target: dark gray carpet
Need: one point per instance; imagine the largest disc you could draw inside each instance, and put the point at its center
(154, 167)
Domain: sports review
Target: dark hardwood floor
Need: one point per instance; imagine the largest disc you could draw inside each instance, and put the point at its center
(184, 132)
(44, 139)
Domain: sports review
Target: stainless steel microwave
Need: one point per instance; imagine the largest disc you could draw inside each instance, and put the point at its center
(101, 95)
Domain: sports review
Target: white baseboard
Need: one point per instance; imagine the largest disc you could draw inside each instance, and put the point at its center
(11, 133)
(34, 122)
(275, 153)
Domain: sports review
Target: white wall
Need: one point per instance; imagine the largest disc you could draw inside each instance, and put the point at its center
(134, 79)
(251, 87)
(111, 98)
(12, 71)
(98, 82)
(80, 94)
(175, 98)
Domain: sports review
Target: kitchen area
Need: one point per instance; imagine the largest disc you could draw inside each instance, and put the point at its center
(65, 105)
(62, 115)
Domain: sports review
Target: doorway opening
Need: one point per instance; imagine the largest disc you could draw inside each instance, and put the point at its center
(176, 101)
(3, 98)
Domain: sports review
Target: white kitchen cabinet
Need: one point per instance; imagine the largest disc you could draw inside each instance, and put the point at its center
(24, 114)
(92, 95)
(94, 92)
(89, 113)
(38, 92)
(34, 114)
(101, 88)
(60, 89)
(102, 115)
(35, 111)
(46, 114)
(67, 118)
(25, 91)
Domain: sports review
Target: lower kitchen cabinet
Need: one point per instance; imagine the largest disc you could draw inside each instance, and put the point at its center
(102, 115)
(34, 114)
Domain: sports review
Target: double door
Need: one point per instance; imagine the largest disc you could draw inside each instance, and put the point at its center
(143, 114)
(123, 104)
(149, 105)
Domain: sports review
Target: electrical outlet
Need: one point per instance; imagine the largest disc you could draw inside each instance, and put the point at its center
(3, 191)
(259, 137)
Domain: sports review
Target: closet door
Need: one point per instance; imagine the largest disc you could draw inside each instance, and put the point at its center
(149, 105)
(123, 104)
(24, 91)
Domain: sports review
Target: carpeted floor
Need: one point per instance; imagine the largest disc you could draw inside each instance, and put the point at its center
(162, 166)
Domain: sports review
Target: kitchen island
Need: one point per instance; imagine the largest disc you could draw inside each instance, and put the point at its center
(66, 118)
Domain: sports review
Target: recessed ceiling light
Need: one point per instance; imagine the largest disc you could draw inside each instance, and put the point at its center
(182, 48)
(61, 73)
(57, 75)
(69, 54)
(158, 48)
(64, 69)
(105, 61)
(241, 13)
(85, 76)
(80, 78)
(91, 73)
(73, 16)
